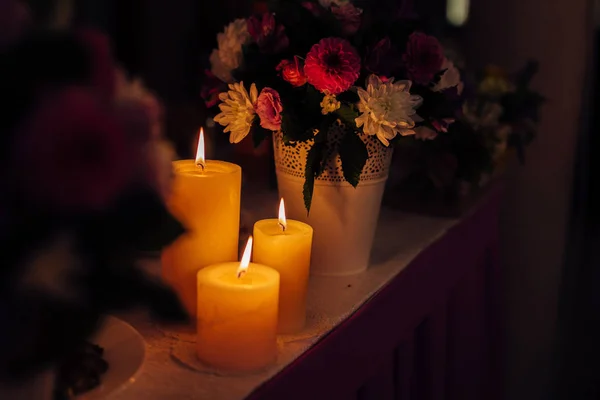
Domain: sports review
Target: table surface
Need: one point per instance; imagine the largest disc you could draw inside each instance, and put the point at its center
(399, 239)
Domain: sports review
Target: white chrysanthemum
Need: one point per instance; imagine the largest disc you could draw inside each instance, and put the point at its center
(228, 56)
(388, 109)
(237, 110)
(450, 78)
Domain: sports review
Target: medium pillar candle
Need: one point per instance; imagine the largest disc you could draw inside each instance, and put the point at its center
(207, 202)
(237, 315)
(285, 245)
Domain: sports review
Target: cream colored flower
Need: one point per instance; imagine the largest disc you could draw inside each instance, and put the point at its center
(237, 110)
(450, 78)
(329, 104)
(228, 56)
(388, 109)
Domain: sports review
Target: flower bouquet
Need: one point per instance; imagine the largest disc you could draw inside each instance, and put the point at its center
(83, 177)
(443, 176)
(336, 84)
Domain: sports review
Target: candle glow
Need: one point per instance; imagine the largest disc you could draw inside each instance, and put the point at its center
(200, 157)
(243, 268)
(282, 219)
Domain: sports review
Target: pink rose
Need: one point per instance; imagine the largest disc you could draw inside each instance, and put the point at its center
(423, 58)
(71, 153)
(349, 16)
(104, 76)
(269, 36)
(292, 71)
(268, 108)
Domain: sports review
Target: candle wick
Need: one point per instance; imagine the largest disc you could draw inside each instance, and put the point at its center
(241, 273)
(282, 226)
(201, 165)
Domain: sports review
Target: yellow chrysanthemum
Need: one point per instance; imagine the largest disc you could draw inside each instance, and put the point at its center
(329, 104)
(237, 111)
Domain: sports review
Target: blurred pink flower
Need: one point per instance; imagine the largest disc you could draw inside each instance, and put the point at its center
(292, 71)
(269, 35)
(72, 154)
(104, 77)
(349, 17)
(423, 58)
(268, 108)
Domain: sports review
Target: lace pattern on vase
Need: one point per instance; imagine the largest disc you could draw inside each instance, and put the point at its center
(291, 160)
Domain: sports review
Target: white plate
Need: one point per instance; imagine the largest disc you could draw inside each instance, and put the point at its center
(124, 350)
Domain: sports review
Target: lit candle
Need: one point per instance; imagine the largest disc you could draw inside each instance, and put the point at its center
(237, 314)
(206, 198)
(285, 246)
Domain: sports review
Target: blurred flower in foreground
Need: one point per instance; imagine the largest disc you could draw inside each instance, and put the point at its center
(72, 152)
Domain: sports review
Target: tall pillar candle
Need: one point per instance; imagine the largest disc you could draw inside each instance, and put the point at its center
(206, 199)
(285, 245)
(237, 315)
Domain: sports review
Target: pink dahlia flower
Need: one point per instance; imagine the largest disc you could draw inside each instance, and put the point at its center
(332, 65)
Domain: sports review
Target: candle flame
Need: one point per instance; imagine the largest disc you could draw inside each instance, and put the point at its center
(243, 268)
(200, 160)
(282, 219)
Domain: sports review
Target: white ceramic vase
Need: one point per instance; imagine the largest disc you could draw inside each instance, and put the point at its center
(344, 218)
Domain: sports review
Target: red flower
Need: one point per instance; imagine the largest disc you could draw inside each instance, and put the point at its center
(332, 65)
(268, 108)
(211, 88)
(104, 73)
(292, 71)
(269, 36)
(383, 59)
(71, 154)
(423, 58)
(349, 17)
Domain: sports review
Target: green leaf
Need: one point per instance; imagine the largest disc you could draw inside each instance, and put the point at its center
(259, 134)
(348, 115)
(314, 162)
(293, 129)
(354, 156)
